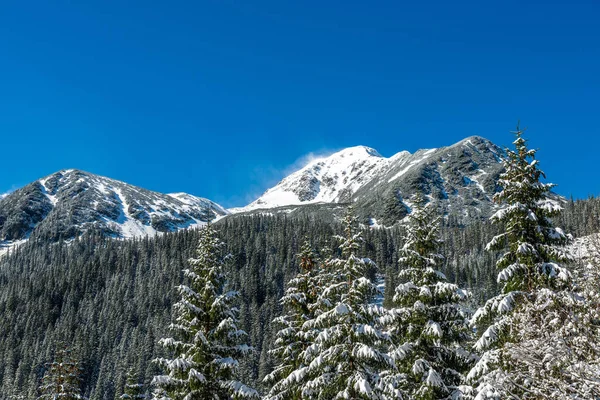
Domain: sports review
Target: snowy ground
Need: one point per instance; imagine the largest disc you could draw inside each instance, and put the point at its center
(586, 246)
(6, 246)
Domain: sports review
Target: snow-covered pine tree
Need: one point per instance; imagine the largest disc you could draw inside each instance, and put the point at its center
(429, 326)
(207, 343)
(133, 388)
(62, 379)
(299, 306)
(346, 358)
(159, 394)
(520, 327)
(555, 352)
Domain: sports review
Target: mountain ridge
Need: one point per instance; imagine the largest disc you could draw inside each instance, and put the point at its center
(450, 175)
(460, 178)
(70, 202)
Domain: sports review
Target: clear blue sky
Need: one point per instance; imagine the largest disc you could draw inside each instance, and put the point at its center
(219, 98)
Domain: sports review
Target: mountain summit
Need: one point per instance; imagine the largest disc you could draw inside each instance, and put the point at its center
(331, 179)
(70, 202)
(461, 178)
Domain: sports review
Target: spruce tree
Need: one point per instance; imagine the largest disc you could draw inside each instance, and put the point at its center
(133, 388)
(429, 324)
(207, 343)
(299, 304)
(537, 293)
(159, 394)
(62, 379)
(346, 356)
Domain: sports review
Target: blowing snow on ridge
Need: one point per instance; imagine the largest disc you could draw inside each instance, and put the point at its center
(458, 176)
(324, 180)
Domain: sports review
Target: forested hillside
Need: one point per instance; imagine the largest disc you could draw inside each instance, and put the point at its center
(111, 300)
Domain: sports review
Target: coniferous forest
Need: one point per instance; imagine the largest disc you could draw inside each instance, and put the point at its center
(295, 200)
(297, 307)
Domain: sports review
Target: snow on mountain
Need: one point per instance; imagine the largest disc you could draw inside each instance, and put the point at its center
(7, 245)
(70, 202)
(461, 177)
(199, 203)
(331, 179)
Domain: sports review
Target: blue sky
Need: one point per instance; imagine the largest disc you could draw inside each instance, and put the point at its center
(220, 98)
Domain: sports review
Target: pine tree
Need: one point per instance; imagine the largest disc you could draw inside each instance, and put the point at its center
(537, 294)
(159, 394)
(62, 378)
(299, 303)
(133, 389)
(207, 346)
(429, 323)
(346, 357)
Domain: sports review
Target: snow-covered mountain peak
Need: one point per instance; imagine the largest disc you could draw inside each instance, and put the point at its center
(462, 173)
(478, 142)
(345, 157)
(400, 154)
(70, 202)
(356, 152)
(330, 179)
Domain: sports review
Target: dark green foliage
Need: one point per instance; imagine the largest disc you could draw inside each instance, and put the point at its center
(133, 389)
(62, 379)
(429, 325)
(516, 327)
(207, 342)
(394, 209)
(531, 240)
(113, 298)
(347, 351)
(299, 306)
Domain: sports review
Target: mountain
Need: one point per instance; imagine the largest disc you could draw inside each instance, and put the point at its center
(327, 180)
(70, 202)
(461, 178)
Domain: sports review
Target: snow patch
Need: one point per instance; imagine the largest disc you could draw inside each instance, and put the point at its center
(129, 226)
(9, 245)
(53, 199)
(424, 156)
(474, 179)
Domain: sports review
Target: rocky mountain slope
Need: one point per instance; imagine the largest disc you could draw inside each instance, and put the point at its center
(70, 202)
(461, 178)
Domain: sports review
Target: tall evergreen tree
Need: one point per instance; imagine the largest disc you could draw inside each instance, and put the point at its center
(346, 358)
(133, 388)
(429, 323)
(537, 292)
(299, 304)
(62, 378)
(207, 346)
